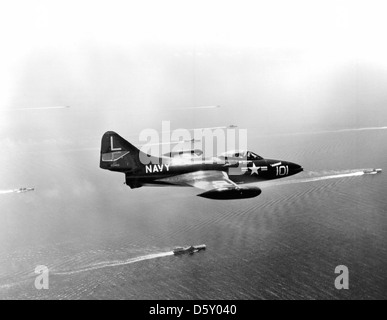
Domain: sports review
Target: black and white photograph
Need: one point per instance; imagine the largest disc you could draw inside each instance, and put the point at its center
(193, 151)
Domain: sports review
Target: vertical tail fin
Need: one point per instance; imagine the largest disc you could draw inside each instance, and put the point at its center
(117, 154)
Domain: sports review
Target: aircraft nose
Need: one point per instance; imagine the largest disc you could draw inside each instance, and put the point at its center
(294, 168)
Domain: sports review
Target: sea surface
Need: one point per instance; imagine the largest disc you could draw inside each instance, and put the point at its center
(101, 240)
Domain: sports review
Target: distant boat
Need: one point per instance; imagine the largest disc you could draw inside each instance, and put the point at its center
(372, 171)
(190, 249)
(22, 190)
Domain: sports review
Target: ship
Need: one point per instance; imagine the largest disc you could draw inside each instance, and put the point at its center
(189, 249)
(22, 190)
(372, 171)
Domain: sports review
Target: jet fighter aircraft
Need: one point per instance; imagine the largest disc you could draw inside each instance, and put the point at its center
(221, 177)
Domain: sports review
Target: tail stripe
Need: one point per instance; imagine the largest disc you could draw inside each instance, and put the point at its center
(114, 156)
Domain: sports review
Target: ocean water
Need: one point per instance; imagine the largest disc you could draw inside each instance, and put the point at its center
(101, 240)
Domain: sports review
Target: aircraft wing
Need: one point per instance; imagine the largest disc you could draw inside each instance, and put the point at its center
(216, 183)
(205, 180)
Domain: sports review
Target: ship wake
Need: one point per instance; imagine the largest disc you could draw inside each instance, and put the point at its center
(115, 263)
(324, 175)
(7, 191)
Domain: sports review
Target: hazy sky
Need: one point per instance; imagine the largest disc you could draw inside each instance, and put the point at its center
(122, 65)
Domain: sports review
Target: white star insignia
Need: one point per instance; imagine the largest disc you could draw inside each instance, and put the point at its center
(254, 169)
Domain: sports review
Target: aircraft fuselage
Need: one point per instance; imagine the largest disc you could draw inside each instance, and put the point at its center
(238, 171)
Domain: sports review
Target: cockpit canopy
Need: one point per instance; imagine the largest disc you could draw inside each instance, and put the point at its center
(240, 155)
